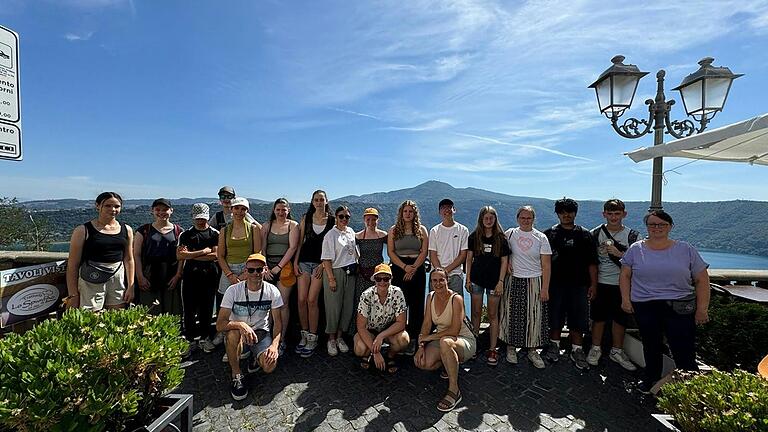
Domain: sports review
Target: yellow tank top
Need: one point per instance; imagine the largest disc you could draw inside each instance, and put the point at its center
(239, 249)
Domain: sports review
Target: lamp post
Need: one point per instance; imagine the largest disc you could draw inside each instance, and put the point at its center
(703, 92)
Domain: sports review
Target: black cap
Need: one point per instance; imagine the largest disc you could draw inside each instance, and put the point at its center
(227, 189)
(445, 202)
(162, 201)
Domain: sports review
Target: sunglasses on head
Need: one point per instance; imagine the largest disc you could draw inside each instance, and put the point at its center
(343, 216)
(226, 196)
(381, 278)
(255, 269)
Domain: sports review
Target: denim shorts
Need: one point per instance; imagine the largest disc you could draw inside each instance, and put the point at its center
(477, 289)
(265, 340)
(308, 267)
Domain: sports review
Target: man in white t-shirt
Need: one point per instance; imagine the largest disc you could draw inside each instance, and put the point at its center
(448, 246)
(244, 317)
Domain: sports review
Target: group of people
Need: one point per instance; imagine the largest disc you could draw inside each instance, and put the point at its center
(535, 282)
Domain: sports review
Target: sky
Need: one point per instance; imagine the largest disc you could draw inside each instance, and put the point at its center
(279, 98)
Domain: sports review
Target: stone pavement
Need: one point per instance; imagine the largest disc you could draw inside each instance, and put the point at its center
(326, 394)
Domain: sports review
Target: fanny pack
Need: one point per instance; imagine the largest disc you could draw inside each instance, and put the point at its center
(96, 274)
(683, 306)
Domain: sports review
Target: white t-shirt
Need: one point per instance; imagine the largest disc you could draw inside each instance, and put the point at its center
(607, 271)
(339, 247)
(448, 242)
(252, 308)
(527, 249)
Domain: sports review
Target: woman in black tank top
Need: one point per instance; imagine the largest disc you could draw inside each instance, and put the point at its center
(105, 242)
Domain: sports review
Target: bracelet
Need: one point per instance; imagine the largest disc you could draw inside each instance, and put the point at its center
(229, 274)
(279, 266)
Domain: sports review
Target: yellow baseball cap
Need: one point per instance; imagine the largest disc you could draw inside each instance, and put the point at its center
(382, 268)
(371, 211)
(256, 257)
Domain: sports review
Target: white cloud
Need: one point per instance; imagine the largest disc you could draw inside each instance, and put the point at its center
(74, 37)
(432, 125)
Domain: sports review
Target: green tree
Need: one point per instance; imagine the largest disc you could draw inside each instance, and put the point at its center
(38, 234)
(11, 222)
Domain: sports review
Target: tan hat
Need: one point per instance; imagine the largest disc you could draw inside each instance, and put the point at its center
(381, 268)
(240, 201)
(256, 257)
(371, 211)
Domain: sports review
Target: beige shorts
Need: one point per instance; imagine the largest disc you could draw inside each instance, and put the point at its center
(96, 296)
(469, 345)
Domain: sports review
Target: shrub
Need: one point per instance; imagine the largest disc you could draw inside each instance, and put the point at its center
(719, 401)
(736, 336)
(88, 371)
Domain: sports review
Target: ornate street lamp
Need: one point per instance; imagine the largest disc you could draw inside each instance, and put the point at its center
(703, 92)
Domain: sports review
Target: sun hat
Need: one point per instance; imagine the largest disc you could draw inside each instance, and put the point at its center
(381, 268)
(256, 257)
(201, 211)
(240, 201)
(371, 211)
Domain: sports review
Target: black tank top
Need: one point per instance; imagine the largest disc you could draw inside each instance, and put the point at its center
(106, 248)
(312, 247)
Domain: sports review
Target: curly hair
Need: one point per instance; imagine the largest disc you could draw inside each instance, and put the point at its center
(399, 230)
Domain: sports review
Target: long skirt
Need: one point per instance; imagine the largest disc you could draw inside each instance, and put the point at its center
(523, 319)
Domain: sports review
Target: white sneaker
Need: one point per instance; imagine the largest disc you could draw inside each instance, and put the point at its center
(309, 348)
(619, 356)
(243, 355)
(535, 358)
(206, 345)
(594, 355)
(302, 342)
(342, 345)
(332, 349)
(218, 339)
(511, 355)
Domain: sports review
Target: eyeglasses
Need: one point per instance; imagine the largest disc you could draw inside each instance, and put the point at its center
(255, 269)
(657, 225)
(226, 196)
(343, 216)
(382, 279)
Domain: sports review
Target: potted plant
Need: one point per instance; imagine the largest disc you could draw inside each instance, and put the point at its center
(718, 401)
(89, 371)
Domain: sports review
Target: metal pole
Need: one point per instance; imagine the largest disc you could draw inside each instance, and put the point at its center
(660, 108)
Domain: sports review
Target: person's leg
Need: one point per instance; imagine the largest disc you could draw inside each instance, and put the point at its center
(681, 336)
(285, 311)
(651, 322)
(360, 349)
(207, 295)
(333, 300)
(303, 286)
(234, 347)
(477, 307)
(556, 313)
(398, 342)
(578, 307)
(432, 359)
(493, 317)
(313, 308)
(456, 284)
(190, 297)
(451, 351)
(347, 303)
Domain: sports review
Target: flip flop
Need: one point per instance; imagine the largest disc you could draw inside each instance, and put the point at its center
(449, 401)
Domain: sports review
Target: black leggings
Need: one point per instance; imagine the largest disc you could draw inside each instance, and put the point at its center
(197, 294)
(414, 292)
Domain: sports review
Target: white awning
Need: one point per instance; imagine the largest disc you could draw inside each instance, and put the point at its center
(746, 141)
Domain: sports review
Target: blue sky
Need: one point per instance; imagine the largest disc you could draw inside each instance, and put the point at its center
(176, 98)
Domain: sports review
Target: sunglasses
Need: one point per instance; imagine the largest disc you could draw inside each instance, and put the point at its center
(382, 279)
(343, 216)
(255, 269)
(226, 196)
(657, 225)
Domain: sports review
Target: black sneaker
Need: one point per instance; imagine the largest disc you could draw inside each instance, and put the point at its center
(645, 387)
(579, 359)
(551, 352)
(253, 365)
(238, 390)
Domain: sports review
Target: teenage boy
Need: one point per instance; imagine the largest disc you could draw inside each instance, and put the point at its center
(574, 279)
(448, 246)
(221, 218)
(245, 316)
(197, 247)
(612, 239)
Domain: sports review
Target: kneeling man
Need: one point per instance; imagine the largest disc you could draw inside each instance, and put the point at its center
(244, 317)
(380, 318)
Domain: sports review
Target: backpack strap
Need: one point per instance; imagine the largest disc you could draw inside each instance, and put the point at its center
(220, 221)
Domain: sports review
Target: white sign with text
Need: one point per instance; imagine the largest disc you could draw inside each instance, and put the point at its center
(10, 99)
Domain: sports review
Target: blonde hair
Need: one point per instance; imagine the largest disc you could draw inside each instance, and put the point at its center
(399, 230)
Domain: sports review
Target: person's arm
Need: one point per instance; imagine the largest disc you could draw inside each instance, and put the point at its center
(546, 273)
(468, 266)
(393, 258)
(499, 289)
(328, 269)
(277, 330)
(424, 247)
(701, 282)
(296, 269)
(457, 262)
(362, 330)
(206, 254)
(138, 241)
(73, 266)
(625, 284)
(223, 324)
(256, 236)
(327, 255)
(293, 245)
(129, 264)
(592, 282)
(221, 256)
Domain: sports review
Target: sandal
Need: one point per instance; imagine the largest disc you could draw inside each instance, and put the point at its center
(391, 366)
(365, 363)
(493, 357)
(444, 374)
(449, 401)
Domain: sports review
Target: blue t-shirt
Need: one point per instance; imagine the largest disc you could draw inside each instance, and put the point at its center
(662, 274)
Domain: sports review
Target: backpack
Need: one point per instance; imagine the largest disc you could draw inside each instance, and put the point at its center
(146, 229)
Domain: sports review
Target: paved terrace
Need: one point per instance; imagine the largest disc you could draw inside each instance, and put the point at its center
(334, 394)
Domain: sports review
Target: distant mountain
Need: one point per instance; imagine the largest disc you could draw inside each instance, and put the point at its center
(733, 226)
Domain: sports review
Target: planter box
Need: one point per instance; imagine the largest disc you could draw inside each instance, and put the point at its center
(172, 407)
(667, 422)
